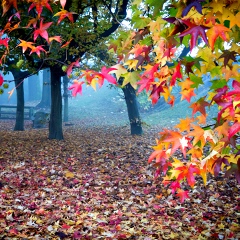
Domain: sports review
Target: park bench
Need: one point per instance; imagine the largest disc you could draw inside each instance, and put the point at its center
(9, 112)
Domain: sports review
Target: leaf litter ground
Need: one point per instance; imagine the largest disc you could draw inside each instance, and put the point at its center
(97, 184)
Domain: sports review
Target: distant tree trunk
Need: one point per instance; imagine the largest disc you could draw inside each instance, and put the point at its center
(55, 123)
(65, 97)
(133, 111)
(46, 90)
(33, 88)
(19, 123)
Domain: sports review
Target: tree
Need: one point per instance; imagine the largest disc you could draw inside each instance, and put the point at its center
(150, 56)
(49, 37)
(151, 51)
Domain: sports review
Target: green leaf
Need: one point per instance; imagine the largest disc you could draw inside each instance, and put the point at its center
(216, 71)
(218, 83)
(197, 80)
(132, 78)
(146, 41)
(140, 22)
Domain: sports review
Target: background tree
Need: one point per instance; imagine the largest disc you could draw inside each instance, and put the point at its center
(50, 33)
(150, 55)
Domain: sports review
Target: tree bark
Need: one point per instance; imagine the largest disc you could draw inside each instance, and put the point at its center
(55, 123)
(132, 108)
(46, 90)
(65, 97)
(19, 123)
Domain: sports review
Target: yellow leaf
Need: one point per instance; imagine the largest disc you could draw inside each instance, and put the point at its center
(221, 226)
(120, 70)
(69, 174)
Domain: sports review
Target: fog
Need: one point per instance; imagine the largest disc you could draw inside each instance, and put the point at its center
(106, 105)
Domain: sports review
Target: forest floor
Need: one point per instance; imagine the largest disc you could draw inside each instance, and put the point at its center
(97, 184)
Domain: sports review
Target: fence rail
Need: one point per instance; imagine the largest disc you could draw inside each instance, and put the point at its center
(7, 112)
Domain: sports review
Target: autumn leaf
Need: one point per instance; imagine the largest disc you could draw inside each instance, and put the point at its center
(4, 42)
(39, 4)
(174, 186)
(1, 80)
(120, 70)
(199, 106)
(186, 84)
(55, 38)
(193, 3)
(198, 134)
(7, 4)
(184, 124)
(217, 31)
(159, 155)
(188, 94)
(195, 31)
(218, 163)
(72, 65)
(177, 141)
(37, 50)
(64, 14)
(182, 195)
(234, 129)
(42, 30)
(227, 56)
(104, 74)
(25, 45)
(177, 74)
(131, 78)
(76, 87)
(155, 94)
(66, 43)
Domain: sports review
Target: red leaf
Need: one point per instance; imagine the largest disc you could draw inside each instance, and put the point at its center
(174, 186)
(182, 195)
(235, 128)
(76, 88)
(1, 80)
(42, 31)
(73, 64)
(4, 42)
(39, 6)
(104, 75)
(65, 226)
(37, 50)
(177, 74)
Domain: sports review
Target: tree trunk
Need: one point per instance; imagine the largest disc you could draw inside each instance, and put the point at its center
(46, 90)
(65, 97)
(19, 123)
(55, 123)
(133, 112)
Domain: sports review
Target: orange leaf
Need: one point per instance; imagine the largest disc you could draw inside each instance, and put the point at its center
(184, 124)
(25, 45)
(198, 134)
(199, 106)
(188, 94)
(217, 31)
(56, 38)
(7, 4)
